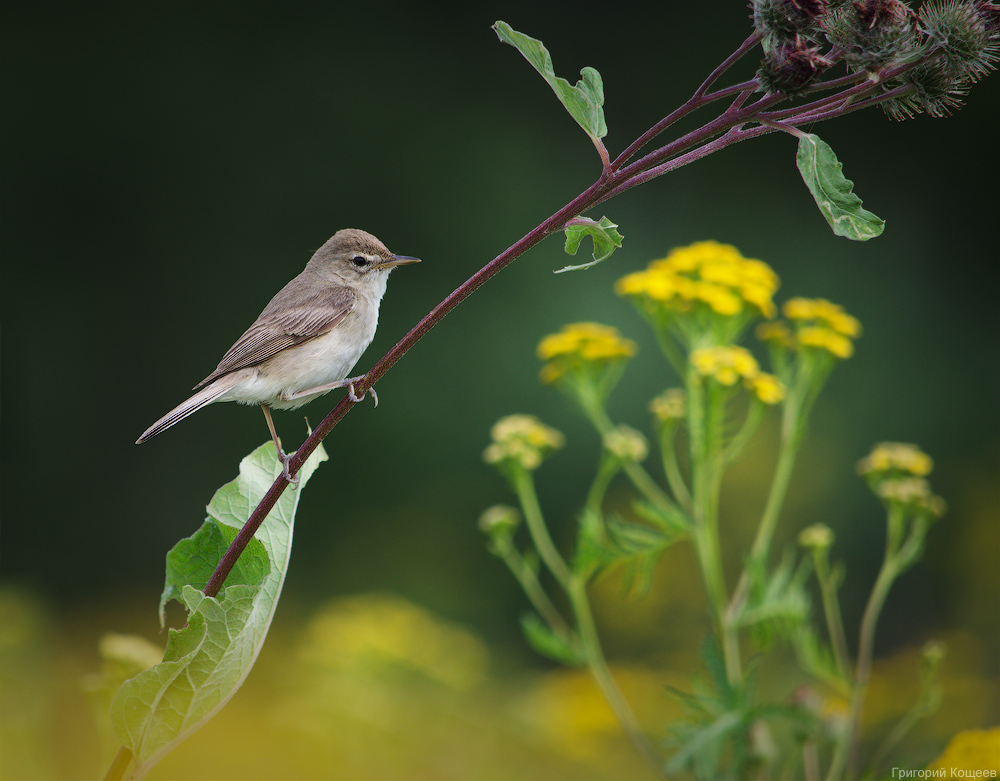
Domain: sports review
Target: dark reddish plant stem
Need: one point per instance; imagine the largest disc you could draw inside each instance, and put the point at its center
(615, 178)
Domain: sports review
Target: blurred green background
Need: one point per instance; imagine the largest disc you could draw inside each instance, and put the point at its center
(167, 168)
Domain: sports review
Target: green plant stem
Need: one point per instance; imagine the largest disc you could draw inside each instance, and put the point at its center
(598, 489)
(598, 666)
(750, 423)
(848, 750)
(921, 709)
(672, 469)
(792, 426)
(528, 579)
(705, 423)
(524, 486)
(647, 486)
(119, 765)
(831, 609)
(791, 436)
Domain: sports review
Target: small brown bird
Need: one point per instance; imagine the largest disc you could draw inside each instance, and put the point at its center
(308, 337)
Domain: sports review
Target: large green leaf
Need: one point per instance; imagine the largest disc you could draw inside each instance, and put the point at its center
(584, 102)
(833, 192)
(206, 661)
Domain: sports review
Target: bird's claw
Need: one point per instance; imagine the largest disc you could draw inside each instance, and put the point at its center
(285, 460)
(353, 396)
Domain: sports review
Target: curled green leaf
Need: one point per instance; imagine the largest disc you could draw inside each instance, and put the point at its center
(584, 102)
(833, 192)
(604, 234)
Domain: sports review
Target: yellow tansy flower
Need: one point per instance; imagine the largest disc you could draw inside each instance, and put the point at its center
(896, 457)
(760, 296)
(626, 443)
(669, 405)
(521, 439)
(819, 535)
(974, 753)
(776, 332)
(767, 387)
(579, 344)
(823, 312)
(726, 364)
(705, 272)
(826, 339)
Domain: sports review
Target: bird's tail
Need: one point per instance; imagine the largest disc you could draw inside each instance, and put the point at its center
(200, 399)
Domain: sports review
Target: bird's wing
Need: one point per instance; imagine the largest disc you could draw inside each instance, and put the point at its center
(282, 325)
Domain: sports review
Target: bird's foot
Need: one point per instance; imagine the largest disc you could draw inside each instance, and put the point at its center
(352, 394)
(285, 460)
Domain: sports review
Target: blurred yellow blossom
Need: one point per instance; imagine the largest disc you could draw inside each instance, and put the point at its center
(819, 535)
(726, 364)
(669, 406)
(626, 443)
(826, 339)
(767, 387)
(705, 272)
(895, 471)
(974, 753)
(913, 493)
(122, 657)
(730, 363)
(820, 310)
(523, 440)
(819, 324)
(896, 457)
(371, 632)
(499, 516)
(578, 344)
(776, 332)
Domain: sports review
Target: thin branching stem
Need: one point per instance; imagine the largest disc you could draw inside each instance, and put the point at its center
(616, 177)
(577, 593)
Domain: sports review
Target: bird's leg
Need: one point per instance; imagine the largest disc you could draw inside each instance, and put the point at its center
(282, 456)
(348, 383)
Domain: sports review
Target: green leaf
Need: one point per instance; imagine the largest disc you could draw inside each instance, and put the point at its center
(674, 523)
(834, 195)
(206, 661)
(546, 642)
(817, 658)
(584, 101)
(592, 549)
(607, 543)
(604, 234)
(778, 603)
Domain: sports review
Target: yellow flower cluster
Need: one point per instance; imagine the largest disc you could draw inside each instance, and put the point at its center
(578, 344)
(819, 536)
(896, 457)
(896, 471)
(670, 405)
(830, 314)
(499, 517)
(728, 364)
(708, 273)
(974, 753)
(523, 440)
(823, 325)
(626, 444)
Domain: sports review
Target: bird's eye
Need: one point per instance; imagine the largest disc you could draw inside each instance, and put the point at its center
(359, 261)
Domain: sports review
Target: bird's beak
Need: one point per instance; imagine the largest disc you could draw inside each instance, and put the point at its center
(398, 260)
